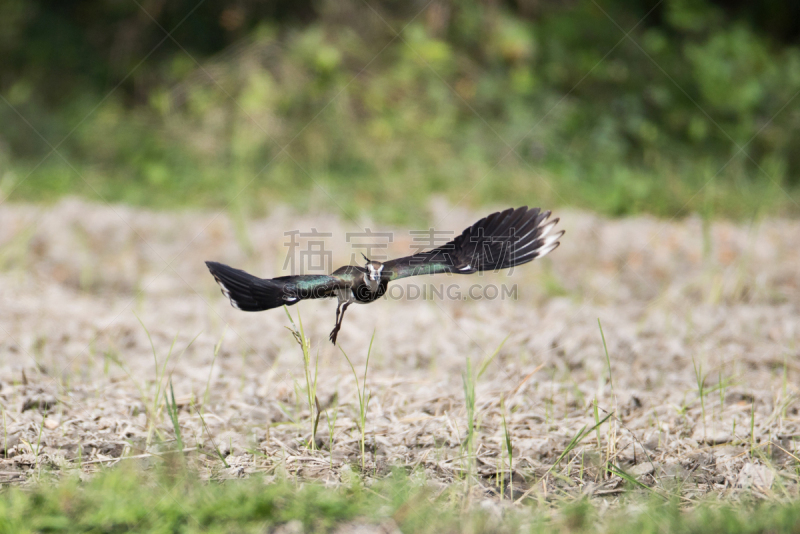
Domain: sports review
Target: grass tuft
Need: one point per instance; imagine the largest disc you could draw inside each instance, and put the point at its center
(608, 358)
(363, 399)
(700, 378)
(311, 381)
(172, 411)
(509, 454)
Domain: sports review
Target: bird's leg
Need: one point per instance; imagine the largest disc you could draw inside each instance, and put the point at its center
(339, 319)
(335, 326)
(344, 309)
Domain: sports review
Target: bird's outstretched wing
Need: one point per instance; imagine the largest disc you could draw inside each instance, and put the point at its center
(250, 293)
(502, 240)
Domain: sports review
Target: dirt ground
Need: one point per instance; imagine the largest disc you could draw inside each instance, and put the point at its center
(677, 300)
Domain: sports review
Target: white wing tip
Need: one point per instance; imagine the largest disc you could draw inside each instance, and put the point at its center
(550, 244)
(227, 294)
(549, 240)
(544, 251)
(548, 227)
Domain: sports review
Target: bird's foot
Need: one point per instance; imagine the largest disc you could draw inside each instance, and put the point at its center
(334, 333)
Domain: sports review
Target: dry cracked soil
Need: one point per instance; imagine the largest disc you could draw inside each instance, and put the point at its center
(698, 389)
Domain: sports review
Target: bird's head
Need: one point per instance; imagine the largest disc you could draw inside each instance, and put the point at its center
(374, 269)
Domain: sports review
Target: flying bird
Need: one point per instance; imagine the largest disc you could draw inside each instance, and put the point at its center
(501, 240)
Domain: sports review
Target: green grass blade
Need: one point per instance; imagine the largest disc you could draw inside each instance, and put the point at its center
(214, 443)
(488, 360)
(608, 358)
(152, 346)
(217, 347)
(576, 440)
(172, 409)
(616, 470)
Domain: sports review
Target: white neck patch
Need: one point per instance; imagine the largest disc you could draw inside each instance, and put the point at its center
(373, 277)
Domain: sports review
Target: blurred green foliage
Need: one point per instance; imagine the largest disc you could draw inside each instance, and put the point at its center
(171, 498)
(353, 106)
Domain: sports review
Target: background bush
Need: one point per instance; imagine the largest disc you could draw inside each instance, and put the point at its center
(378, 106)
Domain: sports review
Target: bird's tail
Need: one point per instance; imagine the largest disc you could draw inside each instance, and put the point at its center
(506, 239)
(247, 292)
